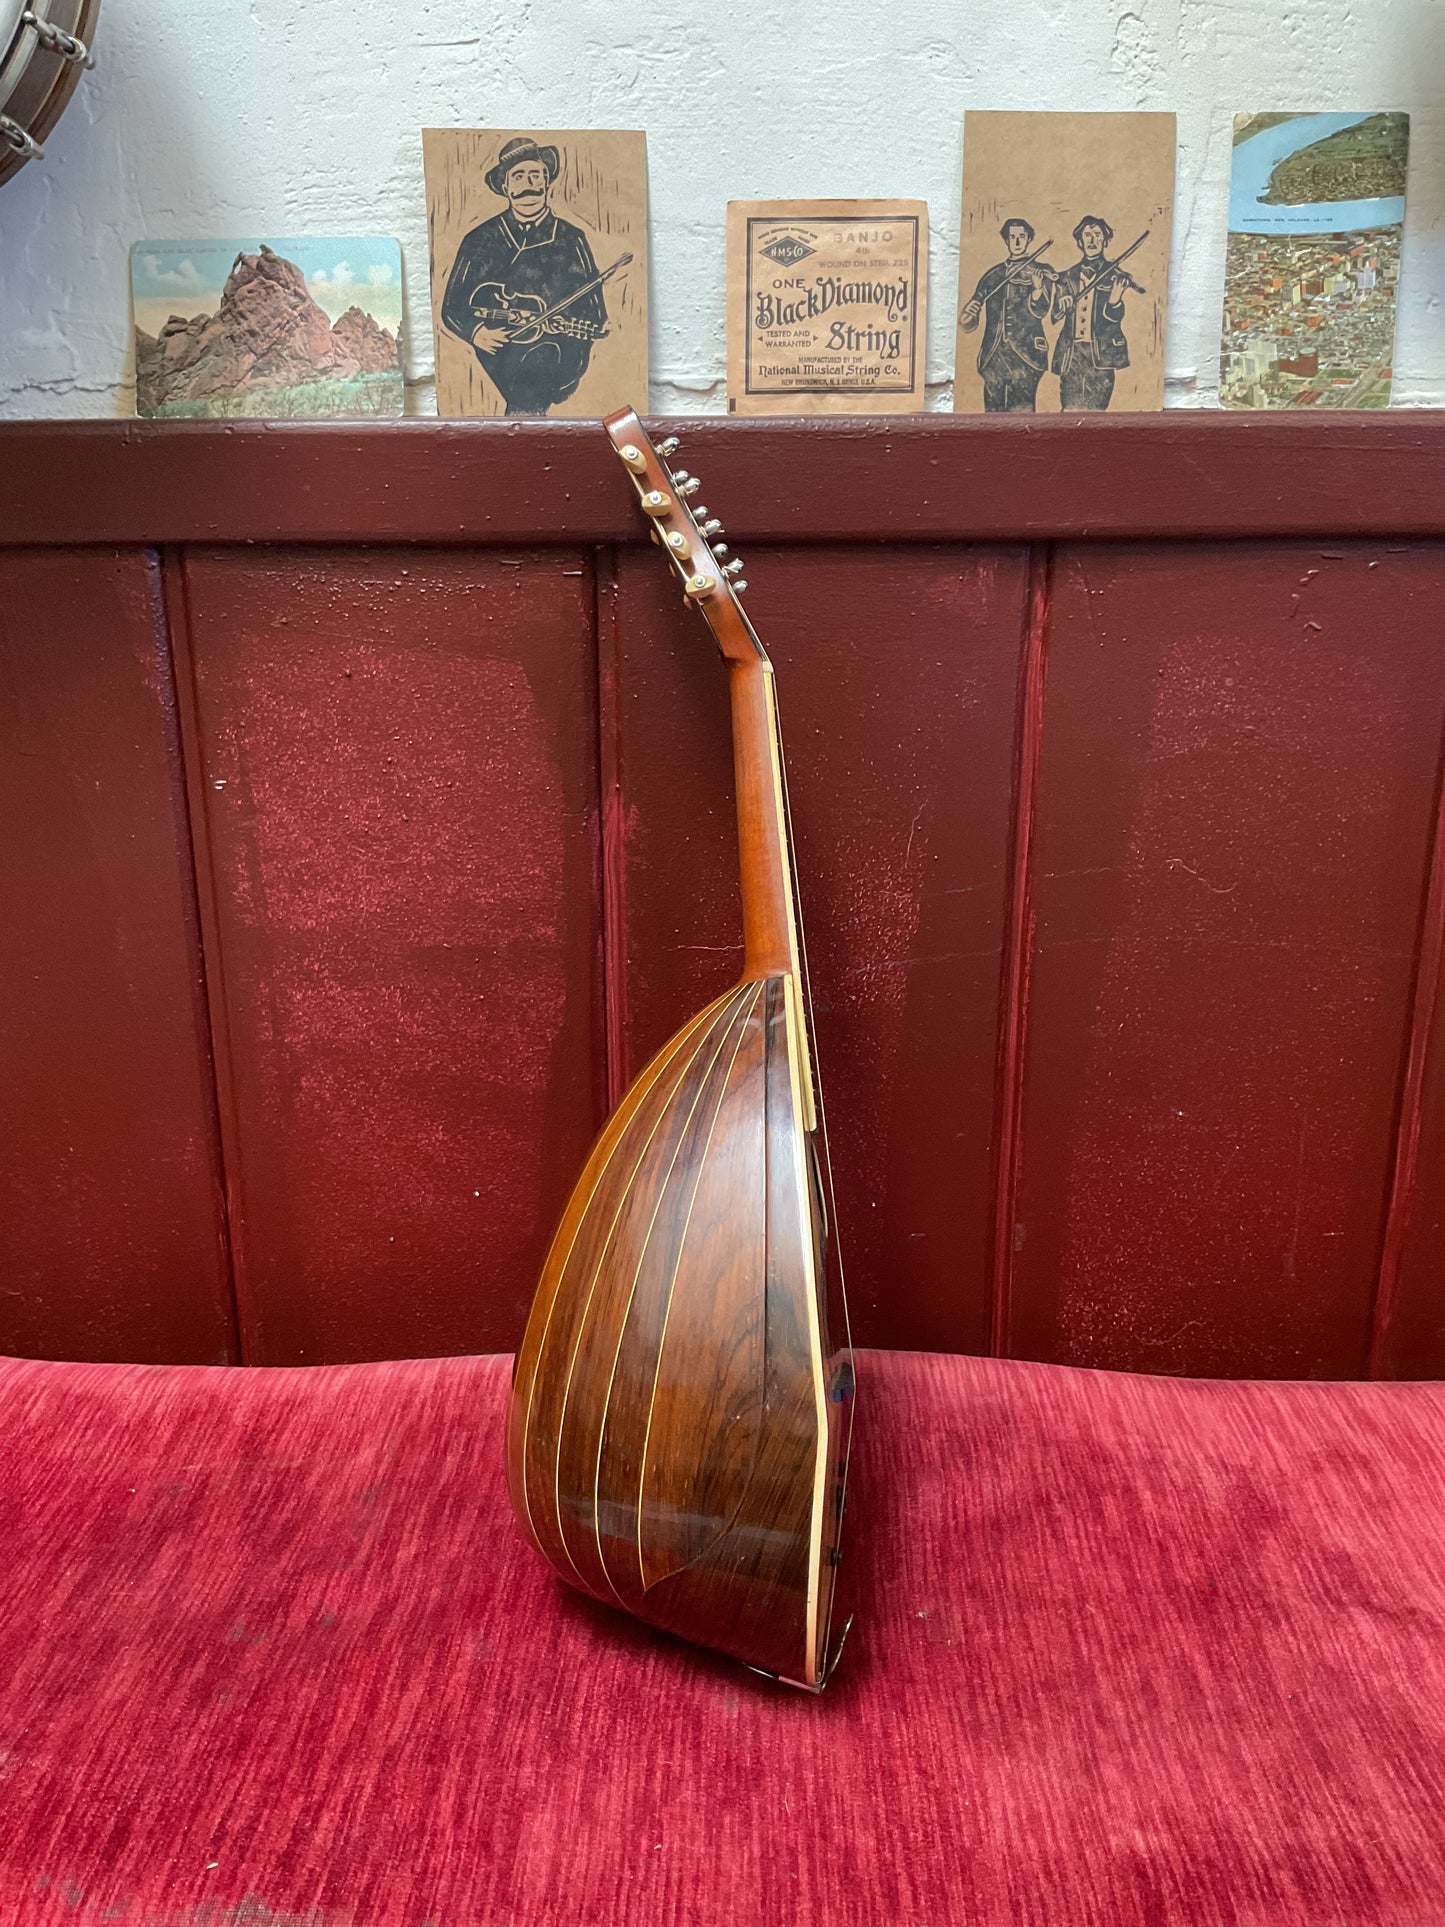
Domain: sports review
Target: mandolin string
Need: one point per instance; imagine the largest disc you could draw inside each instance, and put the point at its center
(813, 1028)
(847, 1454)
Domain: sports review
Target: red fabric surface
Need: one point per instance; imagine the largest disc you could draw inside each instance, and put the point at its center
(1128, 1650)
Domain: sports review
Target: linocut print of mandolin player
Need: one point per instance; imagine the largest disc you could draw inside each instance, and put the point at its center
(525, 290)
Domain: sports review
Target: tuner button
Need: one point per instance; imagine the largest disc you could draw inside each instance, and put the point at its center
(633, 456)
(680, 475)
(670, 446)
(737, 585)
(711, 526)
(719, 548)
(699, 514)
(688, 486)
(676, 540)
(655, 502)
(735, 567)
(697, 585)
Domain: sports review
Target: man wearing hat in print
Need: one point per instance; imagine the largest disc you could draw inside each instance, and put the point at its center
(1089, 300)
(1012, 302)
(522, 264)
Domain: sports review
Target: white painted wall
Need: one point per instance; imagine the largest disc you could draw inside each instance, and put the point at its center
(221, 117)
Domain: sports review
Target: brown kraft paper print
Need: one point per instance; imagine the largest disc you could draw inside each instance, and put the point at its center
(1063, 276)
(538, 270)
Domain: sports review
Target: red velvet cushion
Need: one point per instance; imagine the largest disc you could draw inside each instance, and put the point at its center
(1128, 1650)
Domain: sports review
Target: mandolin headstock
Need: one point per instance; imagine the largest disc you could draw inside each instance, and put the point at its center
(689, 535)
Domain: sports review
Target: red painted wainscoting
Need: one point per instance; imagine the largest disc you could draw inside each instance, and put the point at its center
(367, 822)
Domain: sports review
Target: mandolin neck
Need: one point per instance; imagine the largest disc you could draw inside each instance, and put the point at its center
(769, 925)
(772, 933)
(771, 944)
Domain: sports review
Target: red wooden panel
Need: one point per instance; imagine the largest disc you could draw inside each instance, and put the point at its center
(1233, 819)
(397, 757)
(898, 689)
(111, 1236)
(1409, 1324)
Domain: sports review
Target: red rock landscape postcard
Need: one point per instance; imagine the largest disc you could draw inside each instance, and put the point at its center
(297, 330)
(1316, 211)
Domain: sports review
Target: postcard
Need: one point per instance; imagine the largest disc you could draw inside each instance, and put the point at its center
(1316, 212)
(1063, 275)
(288, 329)
(827, 304)
(538, 270)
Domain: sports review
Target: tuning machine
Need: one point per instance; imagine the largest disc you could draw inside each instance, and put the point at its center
(735, 567)
(669, 448)
(684, 483)
(711, 525)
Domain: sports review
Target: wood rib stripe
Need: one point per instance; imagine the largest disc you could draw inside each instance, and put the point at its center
(647, 1079)
(725, 1010)
(737, 1031)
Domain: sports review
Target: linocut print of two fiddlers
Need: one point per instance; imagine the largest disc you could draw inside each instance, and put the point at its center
(1019, 296)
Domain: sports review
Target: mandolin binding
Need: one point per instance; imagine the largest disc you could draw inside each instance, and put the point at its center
(678, 1432)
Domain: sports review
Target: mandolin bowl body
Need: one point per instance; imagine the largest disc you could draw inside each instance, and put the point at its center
(678, 1428)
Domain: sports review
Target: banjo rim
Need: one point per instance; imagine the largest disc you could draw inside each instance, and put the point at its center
(36, 80)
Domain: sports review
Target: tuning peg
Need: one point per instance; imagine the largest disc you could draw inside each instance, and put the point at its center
(699, 515)
(686, 484)
(655, 502)
(719, 548)
(711, 526)
(670, 446)
(735, 567)
(737, 585)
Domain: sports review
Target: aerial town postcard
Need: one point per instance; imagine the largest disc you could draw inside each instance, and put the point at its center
(1316, 209)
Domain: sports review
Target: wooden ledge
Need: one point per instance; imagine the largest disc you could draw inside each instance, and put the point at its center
(924, 478)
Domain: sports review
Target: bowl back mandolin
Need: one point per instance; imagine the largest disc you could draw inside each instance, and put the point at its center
(678, 1434)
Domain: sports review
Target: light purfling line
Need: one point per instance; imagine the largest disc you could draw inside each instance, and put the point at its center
(662, 1064)
(667, 1312)
(592, 1292)
(637, 1272)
